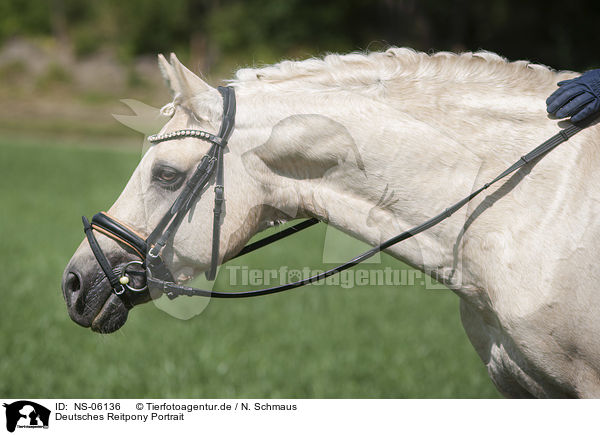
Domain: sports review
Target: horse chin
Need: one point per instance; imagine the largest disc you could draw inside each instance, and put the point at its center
(112, 315)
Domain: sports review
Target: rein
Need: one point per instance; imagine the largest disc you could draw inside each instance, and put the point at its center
(157, 276)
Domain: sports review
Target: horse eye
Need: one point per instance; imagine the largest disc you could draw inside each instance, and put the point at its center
(168, 177)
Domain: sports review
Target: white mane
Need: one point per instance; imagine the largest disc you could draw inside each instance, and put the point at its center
(372, 71)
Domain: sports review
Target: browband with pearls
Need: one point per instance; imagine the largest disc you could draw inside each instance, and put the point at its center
(204, 135)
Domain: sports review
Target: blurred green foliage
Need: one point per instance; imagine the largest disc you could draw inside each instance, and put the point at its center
(563, 35)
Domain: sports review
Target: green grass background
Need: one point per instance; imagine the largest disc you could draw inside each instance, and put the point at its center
(319, 342)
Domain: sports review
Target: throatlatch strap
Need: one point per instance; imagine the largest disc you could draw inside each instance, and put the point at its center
(277, 236)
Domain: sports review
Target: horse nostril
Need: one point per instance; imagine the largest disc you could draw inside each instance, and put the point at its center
(71, 288)
(72, 284)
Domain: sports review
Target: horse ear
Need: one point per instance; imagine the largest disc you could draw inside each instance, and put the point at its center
(180, 80)
(168, 74)
(189, 83)
(203, 99)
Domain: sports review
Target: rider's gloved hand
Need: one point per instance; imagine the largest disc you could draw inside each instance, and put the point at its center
(578, 98)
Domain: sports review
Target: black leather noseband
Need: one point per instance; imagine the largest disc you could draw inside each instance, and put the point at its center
(157, 276)
(114, 229)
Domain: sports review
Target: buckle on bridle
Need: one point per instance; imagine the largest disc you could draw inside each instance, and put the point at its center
(119, 292)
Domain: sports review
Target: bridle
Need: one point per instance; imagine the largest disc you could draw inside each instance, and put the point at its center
(159, 279)
(149, 249)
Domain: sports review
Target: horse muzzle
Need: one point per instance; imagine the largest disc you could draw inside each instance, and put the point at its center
(90, 301)
(104, 280)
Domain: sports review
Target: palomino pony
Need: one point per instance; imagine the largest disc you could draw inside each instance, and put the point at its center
(330, 138)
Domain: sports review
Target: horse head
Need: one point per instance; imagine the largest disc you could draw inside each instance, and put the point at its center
(156, 183)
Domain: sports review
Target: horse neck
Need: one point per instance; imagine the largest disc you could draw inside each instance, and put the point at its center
(390, 178)
(417, 159)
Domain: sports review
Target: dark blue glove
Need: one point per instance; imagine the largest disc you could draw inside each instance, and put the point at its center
(578, 98)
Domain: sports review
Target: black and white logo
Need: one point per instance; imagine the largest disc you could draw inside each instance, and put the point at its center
(26, 414)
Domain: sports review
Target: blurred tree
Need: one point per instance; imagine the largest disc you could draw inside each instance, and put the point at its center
(24, 18)
(560, 34)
